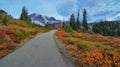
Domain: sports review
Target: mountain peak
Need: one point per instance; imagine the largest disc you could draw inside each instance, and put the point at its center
(43, 20)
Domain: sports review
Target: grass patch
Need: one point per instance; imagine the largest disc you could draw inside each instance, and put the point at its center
(86, 45)
(19, 34)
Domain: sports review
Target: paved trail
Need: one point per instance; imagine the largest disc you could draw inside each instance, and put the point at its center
(40, 51)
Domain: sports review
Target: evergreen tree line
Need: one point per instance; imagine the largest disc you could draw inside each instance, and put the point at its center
(75, 24)
(107, 28)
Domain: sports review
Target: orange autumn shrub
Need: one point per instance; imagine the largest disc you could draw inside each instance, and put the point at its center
(94, 37)
(40, 30)
(97, 58)
(70, 40)
(103, 51)
(72, 49)
(114, 42)
(94, 56)
(116, 58)
(62, 33)
(77, 35)
(2, 47)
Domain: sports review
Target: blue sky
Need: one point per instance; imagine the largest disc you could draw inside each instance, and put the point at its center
(97, 9)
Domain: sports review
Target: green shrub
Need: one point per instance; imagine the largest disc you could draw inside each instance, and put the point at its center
(84, 46)
(19, 34)
(0, 16)
(11, 32)
(5, 21)
(66, 27)
(71, 42)
(47, 26)
(23, 25)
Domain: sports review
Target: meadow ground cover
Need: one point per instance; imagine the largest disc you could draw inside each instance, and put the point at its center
(91, 49)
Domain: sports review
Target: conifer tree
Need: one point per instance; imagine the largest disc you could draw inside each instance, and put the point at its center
(85, 26)
(63, 23)
(24, 15)
(78, 22)
(73, 22)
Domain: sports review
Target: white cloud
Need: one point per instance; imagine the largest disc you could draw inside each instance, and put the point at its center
(113, 17)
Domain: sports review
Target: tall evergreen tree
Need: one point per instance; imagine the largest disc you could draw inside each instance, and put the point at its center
(24, 15)
(72, 22)
(85, 26)
(78, 22)
(63, 23)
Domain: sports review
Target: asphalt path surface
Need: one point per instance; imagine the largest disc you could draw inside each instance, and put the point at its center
(40, 51)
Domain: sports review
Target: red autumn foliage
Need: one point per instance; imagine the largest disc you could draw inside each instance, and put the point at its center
(13, 37)
(2, 34)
